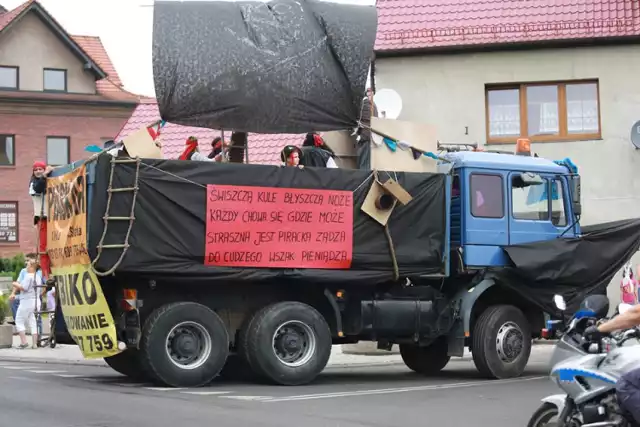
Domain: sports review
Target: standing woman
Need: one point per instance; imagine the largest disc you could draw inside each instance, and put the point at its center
(29, 302)
(37, 191)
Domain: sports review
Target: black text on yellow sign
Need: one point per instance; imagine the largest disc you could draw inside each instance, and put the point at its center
(86, 312)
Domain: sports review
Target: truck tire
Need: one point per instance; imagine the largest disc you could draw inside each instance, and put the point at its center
(501, 342)
(128, 364)
(287, 343)
(184, 344)
(426, 360)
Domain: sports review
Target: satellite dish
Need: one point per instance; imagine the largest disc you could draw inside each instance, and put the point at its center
(635, 134)
(389, 103)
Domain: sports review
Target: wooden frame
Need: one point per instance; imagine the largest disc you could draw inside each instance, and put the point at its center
(13, 150)
(17, 70)
(563, 134)
(68, 149)
(66, 85)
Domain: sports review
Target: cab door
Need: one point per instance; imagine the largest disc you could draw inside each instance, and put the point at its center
(537, 212)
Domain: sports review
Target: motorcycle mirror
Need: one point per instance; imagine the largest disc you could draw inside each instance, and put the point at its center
(624, 307)
(559, 301)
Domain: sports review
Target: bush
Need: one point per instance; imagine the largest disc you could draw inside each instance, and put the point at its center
(4, 308)
(11, 267)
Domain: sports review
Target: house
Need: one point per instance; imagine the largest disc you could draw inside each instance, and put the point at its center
(58, 94)
(262, 149)
(563, 73)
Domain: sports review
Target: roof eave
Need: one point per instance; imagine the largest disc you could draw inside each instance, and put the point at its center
(89, 64)
(498, 47)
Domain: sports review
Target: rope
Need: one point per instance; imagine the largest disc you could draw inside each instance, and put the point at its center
(392, 250)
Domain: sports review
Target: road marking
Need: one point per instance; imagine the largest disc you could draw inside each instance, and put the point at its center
(397, 390)
(47, 372)
(68, 376)
(264, 398)
(33, 380)
(129, 384)
(19, 367)
(205, 393)
(163, 388)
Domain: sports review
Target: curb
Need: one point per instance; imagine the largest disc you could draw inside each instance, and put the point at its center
(376, 353)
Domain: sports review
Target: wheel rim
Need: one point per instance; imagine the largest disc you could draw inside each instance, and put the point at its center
(188, 345)
(509, 342)
(294, 343)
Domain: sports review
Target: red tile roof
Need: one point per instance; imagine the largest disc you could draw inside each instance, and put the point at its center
(263, 148)
(110, 87)
(424, 24)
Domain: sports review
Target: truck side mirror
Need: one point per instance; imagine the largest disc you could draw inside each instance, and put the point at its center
(576, 193)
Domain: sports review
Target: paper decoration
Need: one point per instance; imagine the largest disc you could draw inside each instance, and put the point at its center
(390, 143)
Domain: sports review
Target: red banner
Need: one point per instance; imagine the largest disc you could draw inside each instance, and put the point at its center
(278, 227)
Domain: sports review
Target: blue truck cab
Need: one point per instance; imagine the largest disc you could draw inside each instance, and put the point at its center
(501, 199)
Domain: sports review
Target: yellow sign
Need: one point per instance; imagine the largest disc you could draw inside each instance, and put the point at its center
(84, 307)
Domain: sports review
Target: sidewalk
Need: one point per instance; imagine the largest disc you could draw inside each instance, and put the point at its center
(70, 354)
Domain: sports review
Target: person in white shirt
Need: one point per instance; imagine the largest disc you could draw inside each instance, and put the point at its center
(29, 302)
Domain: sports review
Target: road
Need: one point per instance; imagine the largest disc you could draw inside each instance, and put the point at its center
(36, 395)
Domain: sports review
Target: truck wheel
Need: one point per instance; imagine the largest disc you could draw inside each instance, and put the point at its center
(288, 343)
(184, 344)
(501, 342)
(426, 360)
(128, 364)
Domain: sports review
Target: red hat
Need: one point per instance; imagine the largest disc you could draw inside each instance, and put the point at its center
(39, 165)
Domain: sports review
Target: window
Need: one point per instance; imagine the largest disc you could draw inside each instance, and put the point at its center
(9, 221)
(8, 77)
(55, 80)
(58, 150)
(487, 196)
(532, 202)
(529, 202)
(7, 150)
(543, 112)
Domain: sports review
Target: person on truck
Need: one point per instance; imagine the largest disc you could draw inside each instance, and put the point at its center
(316, 153)
(192, 152)
(216, 148)
(291, 156)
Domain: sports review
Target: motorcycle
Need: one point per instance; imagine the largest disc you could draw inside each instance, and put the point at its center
(588, 373)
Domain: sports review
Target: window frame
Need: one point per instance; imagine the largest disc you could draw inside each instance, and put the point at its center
(13, 151)
(66, 81)
(17, 242)
(502, 201)
(68, 138)
(17, 70)
(563, 134)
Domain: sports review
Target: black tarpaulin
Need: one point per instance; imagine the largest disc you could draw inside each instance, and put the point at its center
(168, 235)
(284, 66)
(571, 267)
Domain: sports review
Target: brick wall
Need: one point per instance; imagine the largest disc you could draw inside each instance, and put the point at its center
(30, 133)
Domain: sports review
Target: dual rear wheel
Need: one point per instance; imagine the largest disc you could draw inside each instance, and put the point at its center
(187, 345)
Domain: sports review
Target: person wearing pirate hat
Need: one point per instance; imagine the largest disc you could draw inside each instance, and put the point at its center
(316, 152)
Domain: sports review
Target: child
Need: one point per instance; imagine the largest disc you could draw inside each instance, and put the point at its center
(290, 156)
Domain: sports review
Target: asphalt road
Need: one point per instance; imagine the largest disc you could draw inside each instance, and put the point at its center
(36, 395)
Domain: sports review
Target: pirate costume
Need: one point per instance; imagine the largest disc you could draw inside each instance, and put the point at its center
(316, 152)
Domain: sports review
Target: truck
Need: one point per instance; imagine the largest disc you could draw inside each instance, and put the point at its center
(174, 332)
(178, 271)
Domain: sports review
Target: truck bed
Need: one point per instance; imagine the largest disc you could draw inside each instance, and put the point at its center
(168, 238)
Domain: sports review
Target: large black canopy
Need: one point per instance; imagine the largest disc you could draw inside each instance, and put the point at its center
(284, 66)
